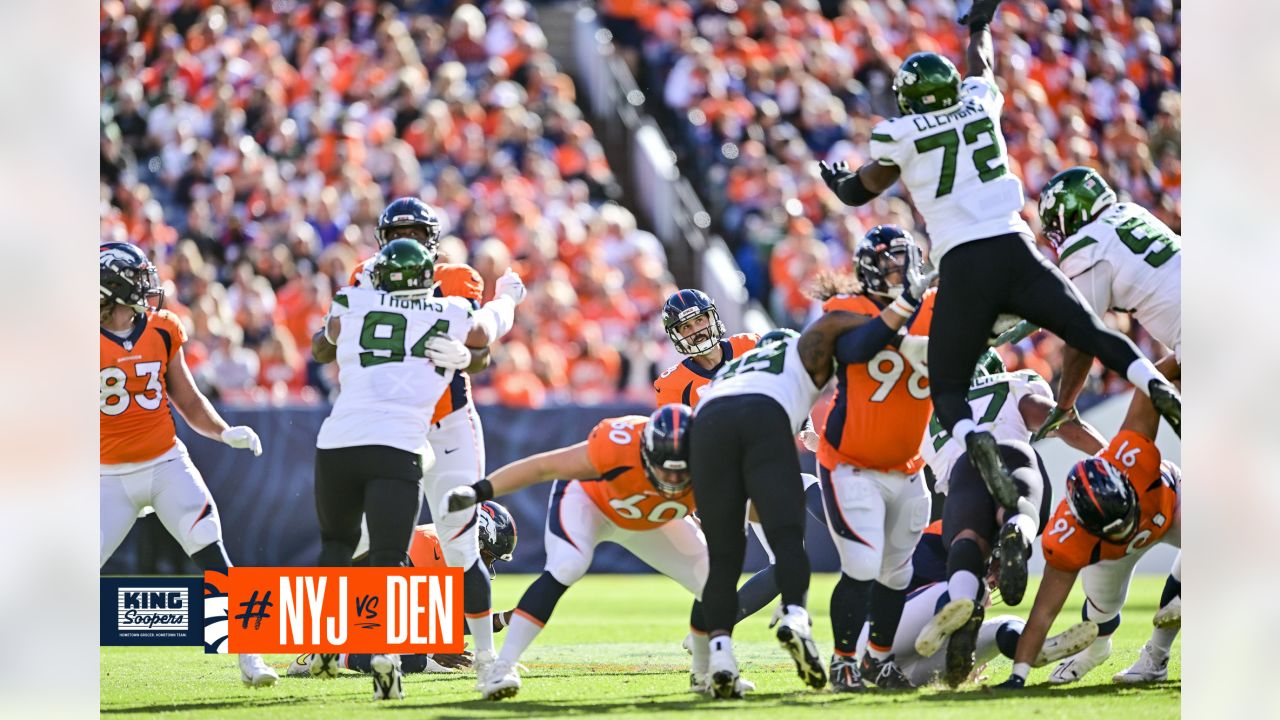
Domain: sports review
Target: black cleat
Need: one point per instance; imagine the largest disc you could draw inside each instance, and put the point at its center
(984, 454)
(845, 677)
(884, 674)
(1167, 402)
(1013, 550)
(962, 648)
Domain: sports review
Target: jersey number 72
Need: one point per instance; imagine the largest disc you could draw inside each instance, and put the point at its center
(949, 142)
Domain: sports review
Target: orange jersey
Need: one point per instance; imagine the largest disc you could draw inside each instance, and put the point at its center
(136, 424)
(684, 381)
(1069, 547)
(452, 280)
(881, 407)
(424, 549)
(622, 490)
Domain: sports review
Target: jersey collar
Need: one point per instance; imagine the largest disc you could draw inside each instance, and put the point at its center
(127, 343)
(726, 355)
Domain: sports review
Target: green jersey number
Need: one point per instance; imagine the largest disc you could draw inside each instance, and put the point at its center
(766, 359)
(983, 157)
(391, 341)
(998, 392)
(1138, 235)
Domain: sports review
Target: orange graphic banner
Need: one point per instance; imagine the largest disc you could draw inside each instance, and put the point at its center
(360, 610)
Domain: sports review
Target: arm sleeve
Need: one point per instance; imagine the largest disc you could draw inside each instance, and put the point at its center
(1095, 285)
(861, 343)
(497, 316)
(884, 149)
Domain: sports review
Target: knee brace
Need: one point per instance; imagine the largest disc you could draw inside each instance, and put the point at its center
(1108, 622)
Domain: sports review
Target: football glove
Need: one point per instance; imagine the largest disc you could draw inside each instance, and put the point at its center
(241, 437)
(510, 285)
(1057, 418)
(915, 348)
(809, 439)
(975, 12)
(460, 498)
(448, 353)
(914, 286)
(832, 175)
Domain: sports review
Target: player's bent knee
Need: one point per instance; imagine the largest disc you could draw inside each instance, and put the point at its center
(897, 578)
(859, 561)
(568, 573)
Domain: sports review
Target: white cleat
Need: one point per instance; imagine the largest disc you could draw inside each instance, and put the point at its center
(323, 665)
(700, 684)
(501, 680)
(1079, 665)
(256, 673)
(949, 619)
(300, 667)
(1152, 666)
(386, 677)
(1169, 617)
(484, 660)
(1067, 643)
(795, 633)
(723, 680)
(688, 643)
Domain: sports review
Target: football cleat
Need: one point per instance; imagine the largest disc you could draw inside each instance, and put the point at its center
(962, 648)
(484, 659)
(323, 665)
(795, 634)
(299, 666)
(1067, 643)
(688, 644)
(722, 672)
(386, 677)
(984, 454)
(1014, 551)
(256, 673)
(1167, 402)
(501, 680)
(1169, 617)
(845, 676)
(700, 684)
(1152, 666)
(1079, 665)
(884, 674)
(949, 619)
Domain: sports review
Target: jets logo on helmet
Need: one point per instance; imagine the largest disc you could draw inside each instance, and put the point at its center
(404, 266)
(926, 82)
(1072, 199)
(685, 306)
(664, 450)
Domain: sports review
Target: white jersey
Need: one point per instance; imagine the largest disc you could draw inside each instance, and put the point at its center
(956, 167)
(1127, 260)
(388, 387)
(775, 371)
(994, 401)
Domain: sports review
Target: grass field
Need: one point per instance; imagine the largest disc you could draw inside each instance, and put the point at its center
(613, 649)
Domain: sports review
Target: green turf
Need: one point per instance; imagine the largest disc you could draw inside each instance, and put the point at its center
(613, 648)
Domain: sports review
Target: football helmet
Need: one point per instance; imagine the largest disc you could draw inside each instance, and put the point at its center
(409, 212)
(1102, 498)
(404, 265)
(884, 249)
(1070, 200)
(925, 82)
(683, 306)
(664, 450)
(126, 277)
(779, 335)
(989, 363)
(497, 530)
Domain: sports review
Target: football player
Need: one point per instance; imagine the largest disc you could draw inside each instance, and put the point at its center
(1118, 505)
(1120, 256)
(455, 434)
(628, 483)
(928, 591)
(743, 448)
(143, 371)
(497, 542)
(873, 486)
(949, 152)
(372, 450)
(1007, 405)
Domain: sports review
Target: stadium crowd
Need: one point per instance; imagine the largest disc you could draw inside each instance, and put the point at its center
(249, 147)
(755, 92)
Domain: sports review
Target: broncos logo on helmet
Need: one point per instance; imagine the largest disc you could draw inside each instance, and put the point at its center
(684, 306)
(409, 217)
(497, 529)
(126, 277)
(1103, 499)
(664, 450)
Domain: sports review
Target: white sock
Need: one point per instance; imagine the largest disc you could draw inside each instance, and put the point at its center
(520, 634)
(877, 653)
(721, 643)
(963, 584)
(1026, 525)
(482, 632)
(701, 653)
(1141, 372)
(962, 430)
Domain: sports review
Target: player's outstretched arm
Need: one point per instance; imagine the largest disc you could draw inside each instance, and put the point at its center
(1055, 586)
(1077, 433)
(1142, 417)
(817, 344)
(569, 463)
(198, 412)
(862, 186)
(980, 56)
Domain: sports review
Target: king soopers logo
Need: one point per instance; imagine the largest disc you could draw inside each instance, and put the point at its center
(155, 612)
